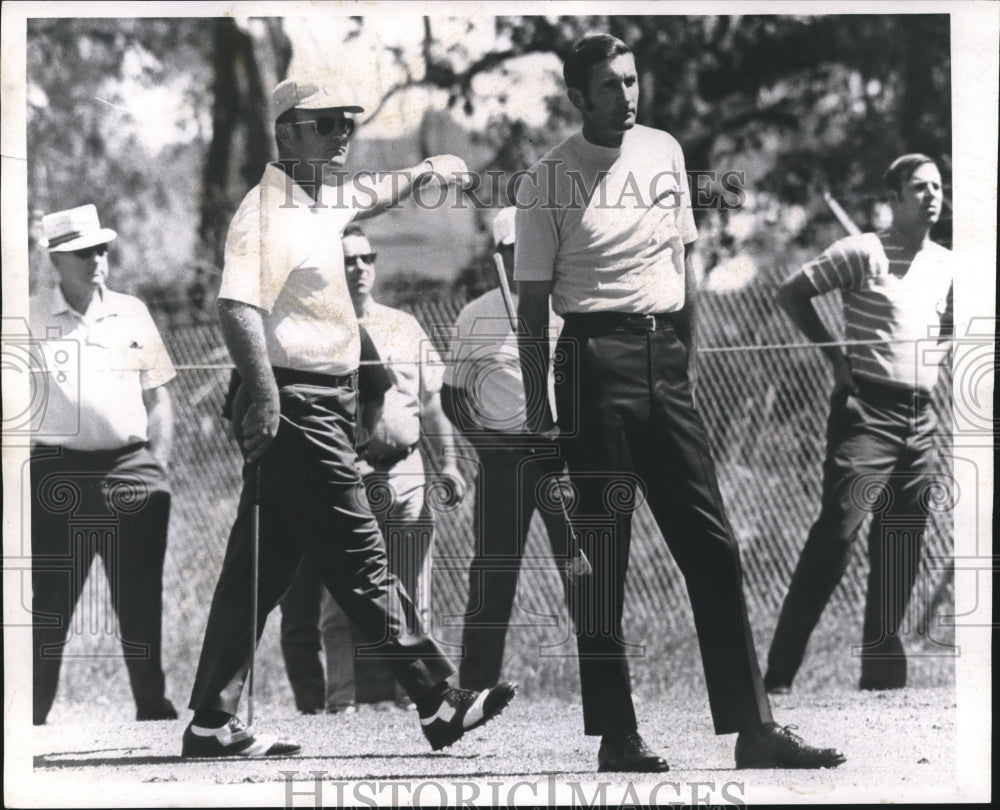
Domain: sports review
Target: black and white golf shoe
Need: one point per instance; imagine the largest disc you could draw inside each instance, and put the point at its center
(462, 710)
(233, 740)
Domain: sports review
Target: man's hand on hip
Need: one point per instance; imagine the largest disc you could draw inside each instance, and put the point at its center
(842, 376)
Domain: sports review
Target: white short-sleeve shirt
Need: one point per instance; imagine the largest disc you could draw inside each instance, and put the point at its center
(284, 256)
(416, 369)
(95, 368)
(484, 362)
(607, 225)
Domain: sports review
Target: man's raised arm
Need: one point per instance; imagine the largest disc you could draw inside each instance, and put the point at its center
(382, 190)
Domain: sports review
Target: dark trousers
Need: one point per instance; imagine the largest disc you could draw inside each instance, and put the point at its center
(629, 424)
(115, 504)
(878, 462)
(353, 673)
(301, 639)
(313, 504)
(507, 495)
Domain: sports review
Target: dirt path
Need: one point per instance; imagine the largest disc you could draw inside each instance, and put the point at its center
(899, 746)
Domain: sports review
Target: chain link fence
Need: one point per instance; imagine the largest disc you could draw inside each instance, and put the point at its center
(764, 397)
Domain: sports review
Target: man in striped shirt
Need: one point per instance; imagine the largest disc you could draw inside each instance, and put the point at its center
(896, 292)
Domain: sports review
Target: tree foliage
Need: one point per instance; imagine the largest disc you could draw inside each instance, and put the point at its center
(799, 104)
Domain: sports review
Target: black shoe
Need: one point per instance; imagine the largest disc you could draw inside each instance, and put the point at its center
(629, 753)
(774, 746)
(165, 711)
(462, 710)
(231, 740)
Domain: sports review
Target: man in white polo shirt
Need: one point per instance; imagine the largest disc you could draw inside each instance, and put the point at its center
(896, 289)
(602, 228)
(98, 461)
(483, 396)
(393, 471)
(290, 327)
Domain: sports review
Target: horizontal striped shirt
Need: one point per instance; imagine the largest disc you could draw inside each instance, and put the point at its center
(894, 300)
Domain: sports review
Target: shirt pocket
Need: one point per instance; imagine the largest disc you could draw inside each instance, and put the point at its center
(114, 347)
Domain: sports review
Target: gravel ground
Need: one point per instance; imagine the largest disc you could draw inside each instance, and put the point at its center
(900, 746)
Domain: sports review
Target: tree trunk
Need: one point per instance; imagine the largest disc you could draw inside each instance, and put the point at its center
(251, 57)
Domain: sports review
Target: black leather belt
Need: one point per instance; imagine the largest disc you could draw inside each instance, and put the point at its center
(880, 393)
(593, 323)
(293, 376)
(391, 460)
(68, 452)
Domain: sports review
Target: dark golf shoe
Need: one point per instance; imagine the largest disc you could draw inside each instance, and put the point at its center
(774, 746)
(629, 753)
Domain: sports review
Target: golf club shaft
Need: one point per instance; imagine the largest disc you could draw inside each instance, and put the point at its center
(255, 577)
(508, 302)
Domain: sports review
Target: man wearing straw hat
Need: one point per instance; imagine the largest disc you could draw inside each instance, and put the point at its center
(290, 327)
(98, 461)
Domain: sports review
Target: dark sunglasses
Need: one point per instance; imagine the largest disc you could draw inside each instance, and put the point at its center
(86, 253)
(367, 258)
(326, 125)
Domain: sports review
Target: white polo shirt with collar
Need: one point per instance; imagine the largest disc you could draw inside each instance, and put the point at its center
(95, 368)
(284, 257)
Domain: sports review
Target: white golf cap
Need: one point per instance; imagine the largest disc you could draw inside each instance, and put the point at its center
(312, 95)
(503, 226)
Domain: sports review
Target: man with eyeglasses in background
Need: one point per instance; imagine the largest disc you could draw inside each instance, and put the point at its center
(99, 458)
(394, 474)
(290, 327)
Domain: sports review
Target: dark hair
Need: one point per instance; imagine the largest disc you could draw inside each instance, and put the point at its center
(353, 230)
(902, 169)
(589, 51)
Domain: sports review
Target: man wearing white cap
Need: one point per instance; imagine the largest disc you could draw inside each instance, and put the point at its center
(101, 445)
(290, 327)
(483, 395)
(395, 476)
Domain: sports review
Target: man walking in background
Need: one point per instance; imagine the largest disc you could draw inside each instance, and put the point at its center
(615, 265)
(287, 319)
(483, 396)
(393, 471)
(98, 461)
(896, 290)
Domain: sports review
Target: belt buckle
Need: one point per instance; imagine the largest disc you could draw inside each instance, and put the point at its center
(648, 322)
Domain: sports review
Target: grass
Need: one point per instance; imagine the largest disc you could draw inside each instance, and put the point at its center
(542, 660)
